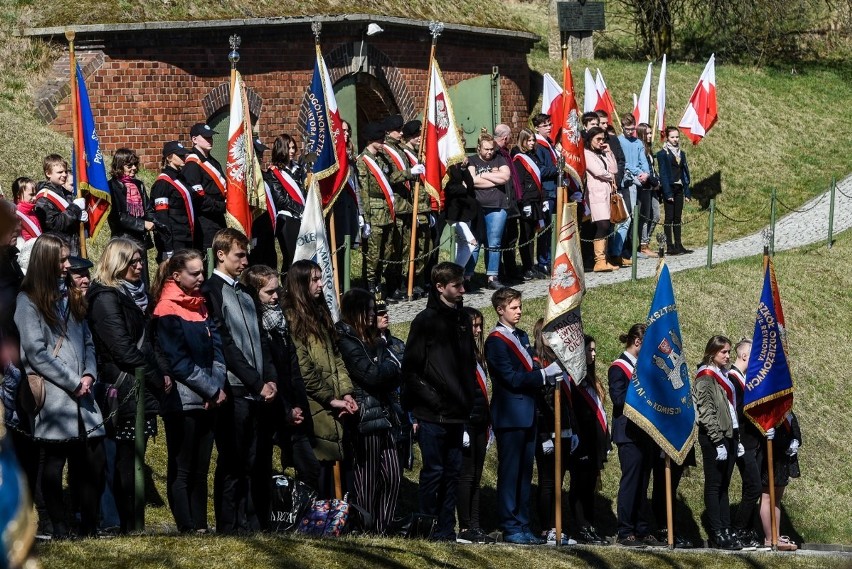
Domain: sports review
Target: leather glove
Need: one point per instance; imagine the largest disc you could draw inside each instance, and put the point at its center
(528, 211)
(418, 169)
(547, 446)
(770, 434)
(80, 202)
(793, 450)
(575, 442)
(740, 450)
(361, 221)
(466, 440)
(721, 453)
(365, 231)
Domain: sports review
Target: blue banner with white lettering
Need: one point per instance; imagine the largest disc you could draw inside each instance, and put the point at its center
(658, 396)
(769, 385)
(89, 170)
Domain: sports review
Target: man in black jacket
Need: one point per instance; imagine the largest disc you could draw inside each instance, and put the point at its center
(438, 375)
(250, 382)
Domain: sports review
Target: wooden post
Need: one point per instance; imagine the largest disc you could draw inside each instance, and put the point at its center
(557, 477)
(435, 28)
(338, 484)
(773, 523)
(78, 153)
(669, 503)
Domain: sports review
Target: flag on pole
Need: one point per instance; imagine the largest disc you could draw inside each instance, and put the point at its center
(701, 111)
(17, 516)
(769, 385)
(442, 144)
(312, 243)
(642, 106)
(605, 101)
(245, 191)
(590, 93)
(90, 177)
(660, 112)
(658, 397)
(325, 135)
(569, 133)
(563, 324)
(552, 104)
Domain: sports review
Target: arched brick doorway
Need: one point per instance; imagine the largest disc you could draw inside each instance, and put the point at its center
(362, 99)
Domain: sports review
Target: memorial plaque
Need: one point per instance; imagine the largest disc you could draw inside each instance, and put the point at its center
(580, 16)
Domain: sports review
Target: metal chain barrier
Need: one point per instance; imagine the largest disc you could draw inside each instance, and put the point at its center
(749, 220)
(842, 193)
(788, 208)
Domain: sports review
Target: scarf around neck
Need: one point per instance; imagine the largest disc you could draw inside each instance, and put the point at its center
(137, 292)
(134, 197)
(673, 150)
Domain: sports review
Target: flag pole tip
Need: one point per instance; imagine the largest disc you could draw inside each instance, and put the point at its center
(70, 34)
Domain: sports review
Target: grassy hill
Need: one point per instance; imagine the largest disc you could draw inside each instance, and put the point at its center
(719, 300)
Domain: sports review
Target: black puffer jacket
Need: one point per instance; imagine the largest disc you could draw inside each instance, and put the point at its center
(375, 375)
(117, 325)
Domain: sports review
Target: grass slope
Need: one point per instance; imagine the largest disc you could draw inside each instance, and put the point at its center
(720, 300)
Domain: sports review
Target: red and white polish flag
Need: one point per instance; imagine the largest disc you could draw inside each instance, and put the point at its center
(642, 106)
(660, 115)
(701, 112)
(551, 103)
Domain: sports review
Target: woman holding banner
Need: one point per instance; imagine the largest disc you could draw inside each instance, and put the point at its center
(714, 397)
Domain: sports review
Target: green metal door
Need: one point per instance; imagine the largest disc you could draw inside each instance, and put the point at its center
(220, 122)
(347, 103)
(476, 104)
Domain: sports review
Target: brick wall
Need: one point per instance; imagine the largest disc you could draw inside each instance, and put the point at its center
(147, 90)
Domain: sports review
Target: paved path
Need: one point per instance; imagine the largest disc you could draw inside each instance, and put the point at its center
(808, 224)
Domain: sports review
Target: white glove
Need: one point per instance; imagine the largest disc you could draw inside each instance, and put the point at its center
(547, 446)
(466, 440)
(794, 448)
(528, 210)
(740, 450)
(84, 216)
(432, 220)
(80, 202)
(545, 207)
(577, 197)
(575, 442)
(721, 453)
(418, 169)
(553, 370)
(168, 255)
(770, 434)
(361, 221)
(365, 231)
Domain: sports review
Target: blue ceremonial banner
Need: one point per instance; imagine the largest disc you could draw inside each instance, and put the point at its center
(89, 170)
(769, 386)
(17, 521)
(658, 396)
(324, 134)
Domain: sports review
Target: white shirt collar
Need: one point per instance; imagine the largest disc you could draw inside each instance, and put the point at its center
(630, 357)
(225, 277)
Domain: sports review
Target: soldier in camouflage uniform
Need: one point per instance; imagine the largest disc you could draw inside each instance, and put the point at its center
(403, 178)
(378, 201)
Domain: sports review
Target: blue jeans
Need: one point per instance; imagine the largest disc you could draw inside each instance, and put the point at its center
(495, 223)
(441, 452)
(616, 242)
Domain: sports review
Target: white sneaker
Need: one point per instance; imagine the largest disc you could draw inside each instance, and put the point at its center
(551, 538)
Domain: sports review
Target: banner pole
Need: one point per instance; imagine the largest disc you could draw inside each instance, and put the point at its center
(435, 28)
(669, 504)
(332, 230)
(75, 131)
(347, 263)
(773, 523)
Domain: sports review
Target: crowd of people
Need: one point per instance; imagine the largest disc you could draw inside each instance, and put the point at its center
(241, 355)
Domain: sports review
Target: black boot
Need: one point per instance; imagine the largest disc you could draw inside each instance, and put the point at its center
(677, 244)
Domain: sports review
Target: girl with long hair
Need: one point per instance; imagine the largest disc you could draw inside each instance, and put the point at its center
(649, 194)
(674, 183)
(192, 354)
(528, 167)
(375, 374)
(119, 311)
(327, 383)
(57, 345)
(287, 187)
(587, 462)
(477, 434)
(714, 397)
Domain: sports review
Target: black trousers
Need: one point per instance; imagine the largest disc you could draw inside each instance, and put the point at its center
(261, 474)
(441, 450)
(236, 442)
(189, 441)
(546, 465)
(296, 451)
(717, 478)
(674, 218)
(581, 494)
(287, 231)
(509, 265)
(86, 458)
(749, 467)
(658, 494)
(473, 460)
(527, 241)
(637, 459)
(124, 483)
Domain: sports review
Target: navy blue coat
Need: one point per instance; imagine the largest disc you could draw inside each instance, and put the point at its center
(664, 163)
(514, 389)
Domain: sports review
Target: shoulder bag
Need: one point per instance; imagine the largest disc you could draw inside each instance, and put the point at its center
(617, 208)
(31, 394)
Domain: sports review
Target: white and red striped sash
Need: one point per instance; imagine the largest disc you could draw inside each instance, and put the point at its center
(624, 366)
(211, 171)
(593, 400)
(531, 167)
(514, 345)
(185, 195)
(721, 379)
(382, 180)
(738, 375)
(270, 206)
(290, 185)
(53, 197)
(541, 141)
(32, 227)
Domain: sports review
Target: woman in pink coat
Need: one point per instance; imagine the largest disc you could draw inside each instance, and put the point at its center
(600, 176)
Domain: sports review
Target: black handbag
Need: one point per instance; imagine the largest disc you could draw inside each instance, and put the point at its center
(291, 501)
